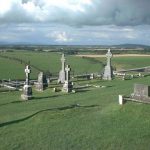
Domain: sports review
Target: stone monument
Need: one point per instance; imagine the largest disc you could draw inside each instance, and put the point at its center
(27, 89)
(68, 85)
(141, 92)
(42, 82)
(62, 73)
(107, 75)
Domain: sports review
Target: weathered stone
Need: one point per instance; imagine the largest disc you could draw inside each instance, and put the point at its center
(27, 92)
(42, 82)
(141, 92)
(62, 72)
(108, 68)
(91, 76)
(68, 85)
(121, 100)
(27, 89)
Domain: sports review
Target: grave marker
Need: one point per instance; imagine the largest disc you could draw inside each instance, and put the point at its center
(62, 74)
(42, 82)
(108, 68)
(27, 89)
(68, 85)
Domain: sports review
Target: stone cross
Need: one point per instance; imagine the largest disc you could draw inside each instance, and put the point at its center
(27, 71)
(108, 56)
(67, 69)
(63, 61)
(108, 68)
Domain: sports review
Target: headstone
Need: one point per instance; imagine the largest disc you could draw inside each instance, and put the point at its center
(68, 85)
(27, 89)
(42, 82)
(62, 74)
(108, 68)
(141, 92)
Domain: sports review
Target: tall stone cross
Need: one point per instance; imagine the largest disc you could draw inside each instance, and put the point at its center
(63, 61)
(27, 72)
(67, 69)
(109, 56)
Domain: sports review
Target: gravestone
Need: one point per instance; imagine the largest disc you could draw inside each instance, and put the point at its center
(141, 92)
(62, 74)
(68, 85)
(108, 68)
(27, 89)
(42, 82)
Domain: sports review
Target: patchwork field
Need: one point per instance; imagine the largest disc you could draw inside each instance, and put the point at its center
(90, 119)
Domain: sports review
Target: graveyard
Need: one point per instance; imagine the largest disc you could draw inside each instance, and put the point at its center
(89, 118)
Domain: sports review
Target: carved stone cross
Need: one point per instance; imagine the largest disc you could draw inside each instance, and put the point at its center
(27, 71)
(67, 69)
(109, 56)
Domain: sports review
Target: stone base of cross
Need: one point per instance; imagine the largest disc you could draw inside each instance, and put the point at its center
(67, 87)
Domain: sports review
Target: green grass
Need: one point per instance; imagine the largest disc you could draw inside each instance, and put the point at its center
(45, 61)
(127, 62)
(50, 121)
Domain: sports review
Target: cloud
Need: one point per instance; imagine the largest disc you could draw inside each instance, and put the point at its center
(60, 37)
(62, 34)
(76, 12)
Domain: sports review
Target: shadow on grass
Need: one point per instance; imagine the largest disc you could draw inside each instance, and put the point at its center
(44, 97)
(80, 91)
(51, 109)
(14, 102)
(34, 98)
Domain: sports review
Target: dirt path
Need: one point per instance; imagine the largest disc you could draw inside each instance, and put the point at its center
(117, 55)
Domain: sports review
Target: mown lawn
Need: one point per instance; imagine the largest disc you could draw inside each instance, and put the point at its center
(52, 121)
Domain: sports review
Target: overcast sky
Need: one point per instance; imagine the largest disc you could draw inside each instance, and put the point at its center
(75, 21)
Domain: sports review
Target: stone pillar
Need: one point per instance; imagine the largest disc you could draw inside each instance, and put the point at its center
(68, 86)
(121, 100)
(62, 74)
(27, 89)
(108, 68)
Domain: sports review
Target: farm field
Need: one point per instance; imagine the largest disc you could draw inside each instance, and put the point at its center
(45, 61)
(51, 62)
(90, 119)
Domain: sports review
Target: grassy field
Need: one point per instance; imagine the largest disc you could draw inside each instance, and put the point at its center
(53, 121)
(51, 62)
(127, 62)
(45, 61)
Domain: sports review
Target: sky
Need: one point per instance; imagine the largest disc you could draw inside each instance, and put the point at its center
(75, 22)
